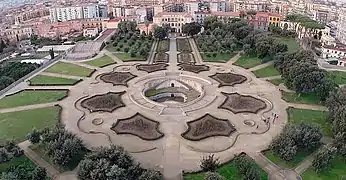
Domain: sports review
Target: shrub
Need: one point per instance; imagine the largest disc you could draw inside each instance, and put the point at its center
(39, 173)
(115, 44)
(214, 54)
(228, 52)
(125, 40)
(117, 49)
(209, 163)
(121, 45)
(126, 49)
(133, 53)
(34, 137)
(213, 176)
(208, 54)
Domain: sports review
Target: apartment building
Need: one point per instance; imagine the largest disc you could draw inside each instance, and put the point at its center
(174, 19)
(17, 33)
(341, 29)
(240, 5)
(31, 14)
(199, 17)
(61, 14)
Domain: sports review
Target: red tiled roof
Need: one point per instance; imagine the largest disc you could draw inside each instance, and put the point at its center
(173, 13)
(226, 13)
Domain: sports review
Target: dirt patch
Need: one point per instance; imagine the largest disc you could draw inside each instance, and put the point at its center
(104, 102)
(238, 103)
(193, 68)
(152, 67)
(117, 78)
(228, 79)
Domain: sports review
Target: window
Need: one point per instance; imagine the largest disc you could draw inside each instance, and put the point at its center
(270, 18)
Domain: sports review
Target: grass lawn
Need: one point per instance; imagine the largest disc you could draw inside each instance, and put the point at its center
(69, 69)
(292, 44)
(127, 57)
(285, 164)
(16, 125)
(229, 171)
(266, 72)
(14, 162)
(183, 45)
(222, 58)
(163, 46)
(248, 61)
(30, 97)
(302, 98)
(319, 118)
(101, 62)
(338, 77)
(39, 149)
(336, 171)
(277, 81)
(51, 80)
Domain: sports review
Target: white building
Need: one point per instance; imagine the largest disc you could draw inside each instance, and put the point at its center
(90, 32)
(174, 19)
(61, 14)
(333, 52)
(341, 29)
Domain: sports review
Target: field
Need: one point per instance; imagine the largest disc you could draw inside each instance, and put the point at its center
(248, 61)
(291, 43)
(70, 69)
(266, 72)
(318, 118)
(42, 80)
(337, 171)
(16, 125)
(338, 77)
(277, 81)
(300, 98)
(101, 62)
(127, 57)
(222, 58)
(30, 97)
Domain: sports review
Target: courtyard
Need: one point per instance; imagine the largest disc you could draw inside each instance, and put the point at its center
(167, 115)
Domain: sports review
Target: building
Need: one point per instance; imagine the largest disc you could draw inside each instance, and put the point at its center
(240, 5)
(90, 32)
(321, 16)
(334, 52)
(199, 17)
(62, 14)
(17, 33)
(174, 19)
(274, 19)
(28, 15)
(52, 30)
(341, 28)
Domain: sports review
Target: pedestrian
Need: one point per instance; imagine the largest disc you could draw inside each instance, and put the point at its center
(257, 126)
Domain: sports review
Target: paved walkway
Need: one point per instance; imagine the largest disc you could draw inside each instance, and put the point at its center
(49, 87)
(61, 75)
(305, 164)
(81, 64)
(234, 59)
(308, 106)
(51, 171)
(22, 108)
(271, 77)
(116, 59)
(195, 52)
(261, 66)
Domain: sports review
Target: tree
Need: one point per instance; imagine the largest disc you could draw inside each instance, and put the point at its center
(5, 81)
(252, 174)
(4, 155)
(2, 45)
(39, 173)
(51, 53)
(213, 176)
(322, 159)
(147, 23)
(209, 163)
(191, 29)
(34, 137)
(133, 53)
(160, 33)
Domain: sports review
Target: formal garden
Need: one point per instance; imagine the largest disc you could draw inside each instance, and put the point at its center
(185, 55)
(70, 69)
(129, 44)
(162, 47)
(101, 62)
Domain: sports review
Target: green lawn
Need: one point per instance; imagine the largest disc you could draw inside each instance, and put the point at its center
(336, 171)
(292, 44)
(42, 80)
(222, 58)
(127, 57)
(229, 171)
(248, 61)
(101, 62)
(16, 125)
(285, 164)
(319, 118)
(30, 97)
(69, 69)
(338, 77)
(14, 162)
(266, 72)
(277, 81)
(302, 98)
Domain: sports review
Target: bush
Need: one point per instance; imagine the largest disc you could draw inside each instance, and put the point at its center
(151, 175)
(115, 44)
(121, 45)
(34, 137)
(209, 163)
(4, 156)
(131, 42)
(118, 49)
(214, 54)
(208, 54)
(126, 49)
(228, 52)
(39, 173)
(133, 53)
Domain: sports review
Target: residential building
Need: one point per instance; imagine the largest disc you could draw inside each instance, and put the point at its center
(321, 15)
(61, 14)
(274, 19)
(31, 14)
(336, 51)
(52, 30)
(341, 28)
(199, 17)
(174, 19)
(17, 33)
(240, 5)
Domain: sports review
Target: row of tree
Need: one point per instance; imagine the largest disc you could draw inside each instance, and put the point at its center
(12, 71)
(23, 171)
(294, 138)
(301, 74)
